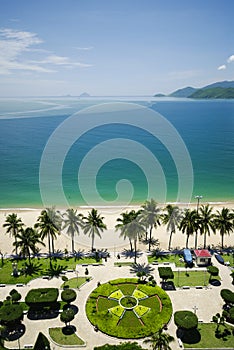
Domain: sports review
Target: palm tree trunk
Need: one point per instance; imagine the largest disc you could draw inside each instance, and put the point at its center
(135, 249)
(130, 245)
(29, 258)
(169, 244)
(195, 243)
(151, 227)
(73, 243)
(204, 245)
(222, 239)
(187, 241)
(52, 240)
(92, 242)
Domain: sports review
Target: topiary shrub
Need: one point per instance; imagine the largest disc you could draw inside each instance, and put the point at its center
(42, 342)
(228, 296)
(213, 270)
(185, 319)
(41, 297)
(68, 295)
(11, 313)
(67, 316)
(165, 273)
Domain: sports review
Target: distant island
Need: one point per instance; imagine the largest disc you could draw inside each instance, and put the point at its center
(218, 90)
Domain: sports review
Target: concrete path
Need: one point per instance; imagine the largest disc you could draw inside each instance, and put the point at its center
(206, 301)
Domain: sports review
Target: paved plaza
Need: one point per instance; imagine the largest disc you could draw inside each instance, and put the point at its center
(206, 302)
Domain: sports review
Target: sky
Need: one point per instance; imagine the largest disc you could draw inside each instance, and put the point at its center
(113, 48)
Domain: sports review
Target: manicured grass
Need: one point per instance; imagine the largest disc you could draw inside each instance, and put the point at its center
(208, 338)
(67, 263)
(171, 258)
(59, 336)
(228, 258)
(75, 282)
(129, 326)
(105, 303)
(191, 278)
(119, 264)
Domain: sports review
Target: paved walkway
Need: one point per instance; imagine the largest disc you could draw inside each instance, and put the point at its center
(207, 302)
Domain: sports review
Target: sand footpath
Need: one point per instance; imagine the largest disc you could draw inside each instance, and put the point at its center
(110, 238)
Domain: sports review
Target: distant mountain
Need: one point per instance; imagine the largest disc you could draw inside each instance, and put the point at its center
(219, 89)
(159, 95)
(84, 94)
(185, 92)
(215, 92)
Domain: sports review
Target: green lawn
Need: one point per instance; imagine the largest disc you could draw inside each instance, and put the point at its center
(59, 336)
(228, 258)
(208, 338)
(171, 258)
(67, 263)
(75, 282)
(191, 278)
(119, 264)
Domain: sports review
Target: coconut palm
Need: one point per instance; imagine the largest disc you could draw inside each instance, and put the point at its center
(160, 340)
(172, 219)
(127, 217)
(206, 221)
(189, 223)
(93, 225)
(224, 222)
(13, 224)
(72, 222)
(135, 231)
(150, 217)
(27, 241)
(49, 224)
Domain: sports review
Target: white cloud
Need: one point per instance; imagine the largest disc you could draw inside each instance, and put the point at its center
(15, 44)
(84, 48)
(230, 59)
(222, 67)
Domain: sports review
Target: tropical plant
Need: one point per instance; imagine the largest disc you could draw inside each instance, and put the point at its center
(32, 268)
(218, 319)
(206, 221)
(189, 223)
(55, 270)
(72, 222)
(49, 224)
(224, 222)
(93, 225)
(126, 219)
(160, 340)
(26, 241)
(171, 218)
(67, 316)
(150, 217)
(13, 225)
(142, 270)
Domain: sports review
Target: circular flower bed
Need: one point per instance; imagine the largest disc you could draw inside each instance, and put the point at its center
(126, 309)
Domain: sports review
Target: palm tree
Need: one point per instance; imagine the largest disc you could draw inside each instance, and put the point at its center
(26, 241)
(206, 221)
(135, 230)
(189, 223)
(13, 225)
(49, 225)
(160, 340)
(93, 225)
(150, 217)
(123, 222)
(224, 222)
(72, 223)
(172, 219)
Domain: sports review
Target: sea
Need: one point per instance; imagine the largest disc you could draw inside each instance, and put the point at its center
(107, 151)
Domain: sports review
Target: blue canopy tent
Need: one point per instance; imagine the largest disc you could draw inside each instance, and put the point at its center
(188, 256)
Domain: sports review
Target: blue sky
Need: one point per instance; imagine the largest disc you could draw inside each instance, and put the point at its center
(124, 47)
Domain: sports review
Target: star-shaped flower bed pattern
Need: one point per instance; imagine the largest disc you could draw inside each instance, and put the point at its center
(126, 309)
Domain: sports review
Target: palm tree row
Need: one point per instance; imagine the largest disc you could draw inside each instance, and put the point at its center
(49, 224)
(133, 225)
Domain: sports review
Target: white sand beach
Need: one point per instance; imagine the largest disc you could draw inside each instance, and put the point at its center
(110, 238)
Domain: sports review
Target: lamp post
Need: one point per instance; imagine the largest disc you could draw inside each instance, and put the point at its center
(198, 201)
(77, 273)
(195, 308)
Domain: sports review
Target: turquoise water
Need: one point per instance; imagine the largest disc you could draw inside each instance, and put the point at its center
(206, 127)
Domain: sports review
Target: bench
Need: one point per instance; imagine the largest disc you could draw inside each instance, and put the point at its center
(28, 346)
(199, 287)
(185, 287)
(180, 343)
(19, 285)
(2, 285)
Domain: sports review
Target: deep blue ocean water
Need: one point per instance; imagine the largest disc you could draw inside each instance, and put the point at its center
(206, 127)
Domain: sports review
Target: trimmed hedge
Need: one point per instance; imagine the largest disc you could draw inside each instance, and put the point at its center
(185, 319)
(213, 270)
(227, 295)
(11, 313)
(165, 273)
(41, 296)
(68, 295)
(42, 342)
